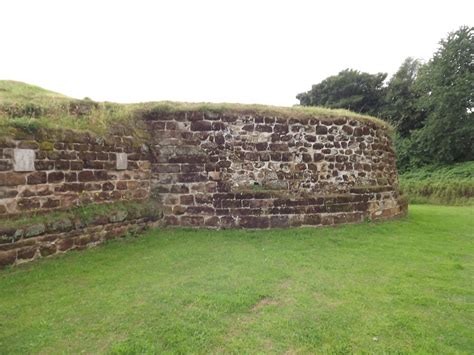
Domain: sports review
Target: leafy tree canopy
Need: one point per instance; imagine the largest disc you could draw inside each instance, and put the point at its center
(401, 99)
(446, 84)
(350, 89)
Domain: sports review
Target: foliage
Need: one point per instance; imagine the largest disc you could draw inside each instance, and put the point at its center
(430, 105)
(401, 99)
(453, 184)
(396, 287)
(447, 86)
(350, 89)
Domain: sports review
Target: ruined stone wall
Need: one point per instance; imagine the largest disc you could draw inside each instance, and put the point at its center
(212, 170)
(58, 169)
(257, 171)
(38, 239)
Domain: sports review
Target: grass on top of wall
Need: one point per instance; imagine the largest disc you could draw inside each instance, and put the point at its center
(296, 112)
(402, 286)
(452, 184)
(30, 107)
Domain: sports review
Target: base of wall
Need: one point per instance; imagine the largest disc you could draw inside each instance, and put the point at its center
(68, 237)
(27, 243)
(262, 210)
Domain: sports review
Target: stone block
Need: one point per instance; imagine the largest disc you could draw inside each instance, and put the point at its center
(12, 179)
(279, 222)
(36, 178)
(55, 176)
(254, 222)
(34, 230)
(27, 252)
(23, 160)
(7, 257)
(201, 126)
(121, 161)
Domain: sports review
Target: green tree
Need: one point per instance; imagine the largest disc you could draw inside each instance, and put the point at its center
(350, 89)
(401, 99)
(447, 87)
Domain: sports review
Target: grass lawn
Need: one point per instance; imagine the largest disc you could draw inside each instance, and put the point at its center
(400, 286)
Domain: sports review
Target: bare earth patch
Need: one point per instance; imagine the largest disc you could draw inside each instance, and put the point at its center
(266, 301)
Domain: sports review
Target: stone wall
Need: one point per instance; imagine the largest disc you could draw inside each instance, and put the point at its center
(58, 169)
(201, 169)
(257, 171)
(32, 240)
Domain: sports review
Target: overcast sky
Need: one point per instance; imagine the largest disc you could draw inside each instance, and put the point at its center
(213, 51)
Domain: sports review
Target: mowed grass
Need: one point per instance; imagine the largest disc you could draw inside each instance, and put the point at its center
(399, 286)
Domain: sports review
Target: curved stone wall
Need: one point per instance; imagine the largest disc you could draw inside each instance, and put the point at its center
(260, 171)
(192, 168)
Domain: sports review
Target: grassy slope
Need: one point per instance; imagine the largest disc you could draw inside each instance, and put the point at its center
(21, 93)
(452, 184)
(30, 107)
(400, 286)
(19, 102)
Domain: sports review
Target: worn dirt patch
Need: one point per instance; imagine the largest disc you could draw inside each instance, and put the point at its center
(266, 301)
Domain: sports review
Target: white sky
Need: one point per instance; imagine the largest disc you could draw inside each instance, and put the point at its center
(214, 51)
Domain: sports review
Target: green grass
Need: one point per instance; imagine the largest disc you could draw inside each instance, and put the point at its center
(18, 92)
(85, 213)
(30, 107)
(453, 184)
(399, 286)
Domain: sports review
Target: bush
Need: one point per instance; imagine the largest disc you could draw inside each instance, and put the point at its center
(453, 184)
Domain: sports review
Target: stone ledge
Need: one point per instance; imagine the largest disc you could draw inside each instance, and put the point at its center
(23, 240)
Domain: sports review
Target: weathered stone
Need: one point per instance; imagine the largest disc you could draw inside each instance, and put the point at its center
(65, 244)
(279, 222)
(118, 216)
(321, 130)
(254, 222)
(7, 257)
(12, 179)
(51, 203)
(62, 225)
(28, 204)
(201, 126)
(5, 165)
(47, 249)
(86, 176)
(34, 230)
(193, 221)
(27, 252)
(55, 176)
(44, 165)
(312, 219)
(23, 160)
(121, 161)
(36, 178)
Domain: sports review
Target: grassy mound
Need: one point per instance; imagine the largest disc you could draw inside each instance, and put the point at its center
(396, 287)
(27, 106)
(452, 184)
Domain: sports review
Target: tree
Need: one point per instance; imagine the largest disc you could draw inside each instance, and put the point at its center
(447, 87)
(401, 99)
(350, 89)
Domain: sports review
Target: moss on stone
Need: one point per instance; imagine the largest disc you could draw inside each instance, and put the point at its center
(87, 214)
(46, 146)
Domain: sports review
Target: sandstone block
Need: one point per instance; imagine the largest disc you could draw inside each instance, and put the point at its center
(23, 160)
(121, 161)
